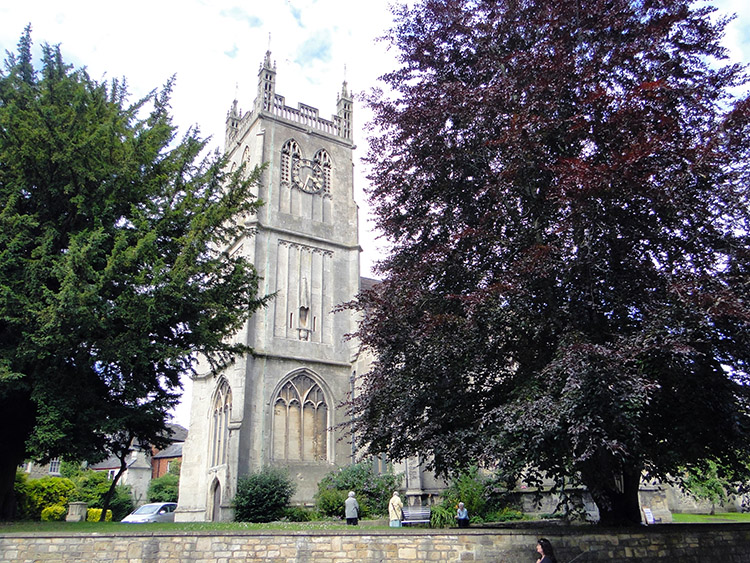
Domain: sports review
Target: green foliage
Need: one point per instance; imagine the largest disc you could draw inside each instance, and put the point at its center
(263, 496)
(330, 502)
(24, 507)
(71, 469)
(164, 488)
(111, 278)
(298, 514)
(95, 515)
(373, 490)
(470, 488)
(92, 488)
(48, 491)
(567, 292)
(504, 515)
(442, 517)
(706, 482)
(54, 513)
(175, 467)
(121, 504)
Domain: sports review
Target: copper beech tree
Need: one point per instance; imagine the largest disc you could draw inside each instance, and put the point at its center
(111, 283)
(565, 188)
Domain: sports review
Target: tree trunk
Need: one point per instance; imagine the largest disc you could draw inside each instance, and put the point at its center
(16, 422)
(618, 505)
(8, 468)
(111, 491)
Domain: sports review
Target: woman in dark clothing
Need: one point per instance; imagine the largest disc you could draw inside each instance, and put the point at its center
(544, 548)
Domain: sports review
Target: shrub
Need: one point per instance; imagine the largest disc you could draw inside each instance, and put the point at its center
(24, 509)
(121, 503)
(470, 488)
(92, 486)
(54, 513)
(262, 496)
(298, 514)
(164, 489)
(373, 490)
(330, 502)
(71, 469)
(442, 517)
(94, 514)
(48, 491)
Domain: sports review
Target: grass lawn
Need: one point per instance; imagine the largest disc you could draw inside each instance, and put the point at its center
(718, 518)
(117, 527)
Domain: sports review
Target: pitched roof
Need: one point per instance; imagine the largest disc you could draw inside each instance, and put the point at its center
(367, 283)
(177, 433)
(173, 450)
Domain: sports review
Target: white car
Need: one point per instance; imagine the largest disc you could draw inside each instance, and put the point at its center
(154, 512)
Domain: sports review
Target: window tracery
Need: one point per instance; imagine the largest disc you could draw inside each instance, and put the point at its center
(323, 160)
(300, 421)
(290, 157)
(222, 412)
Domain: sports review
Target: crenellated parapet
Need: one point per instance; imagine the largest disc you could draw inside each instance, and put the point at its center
(269, 103)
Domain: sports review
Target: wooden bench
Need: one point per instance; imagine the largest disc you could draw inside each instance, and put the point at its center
(416, 515)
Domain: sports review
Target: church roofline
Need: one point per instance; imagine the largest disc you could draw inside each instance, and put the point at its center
(269, 104)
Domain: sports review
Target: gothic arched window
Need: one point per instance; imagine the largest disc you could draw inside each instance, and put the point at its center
(324, 161)
(300, 421)
(290, 155)
(222, 412)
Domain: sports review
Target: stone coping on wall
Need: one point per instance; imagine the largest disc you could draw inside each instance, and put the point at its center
(508, 528)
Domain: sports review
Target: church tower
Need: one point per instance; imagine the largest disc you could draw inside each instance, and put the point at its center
(279, 406)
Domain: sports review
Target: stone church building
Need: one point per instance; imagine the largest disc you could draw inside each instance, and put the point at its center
(279, 407)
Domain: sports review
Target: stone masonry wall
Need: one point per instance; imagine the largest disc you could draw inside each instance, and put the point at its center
(671, 542)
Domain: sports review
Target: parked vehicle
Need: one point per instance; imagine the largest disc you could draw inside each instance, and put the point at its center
(153, 512)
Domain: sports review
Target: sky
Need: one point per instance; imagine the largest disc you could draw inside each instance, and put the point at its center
(214, 48)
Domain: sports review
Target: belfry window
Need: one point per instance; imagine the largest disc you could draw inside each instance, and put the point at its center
(222, 412)
(324, 162)
(290, 156)
(300, 421)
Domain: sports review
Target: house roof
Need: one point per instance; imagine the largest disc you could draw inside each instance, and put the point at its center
(173, 450)
(367, 283)
(110, 463)
(177, 433)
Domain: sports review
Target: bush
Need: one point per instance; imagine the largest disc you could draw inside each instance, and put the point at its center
(92, 486)
(164, 489)
(373, 490)
(54, 513)
(48, 491)
(298, 514)
(441, 517)
(470, 488)
(24, 509)
(504, 515)
(330, 502)
(263, 496)
(94, 514)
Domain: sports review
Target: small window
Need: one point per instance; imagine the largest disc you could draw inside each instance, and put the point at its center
(54, 466)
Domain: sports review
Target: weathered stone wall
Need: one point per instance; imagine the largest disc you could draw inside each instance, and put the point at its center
(673, 542)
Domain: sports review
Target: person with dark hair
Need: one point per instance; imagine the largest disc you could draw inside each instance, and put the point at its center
(544, 548)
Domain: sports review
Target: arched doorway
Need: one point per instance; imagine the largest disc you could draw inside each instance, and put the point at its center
(216, 502)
